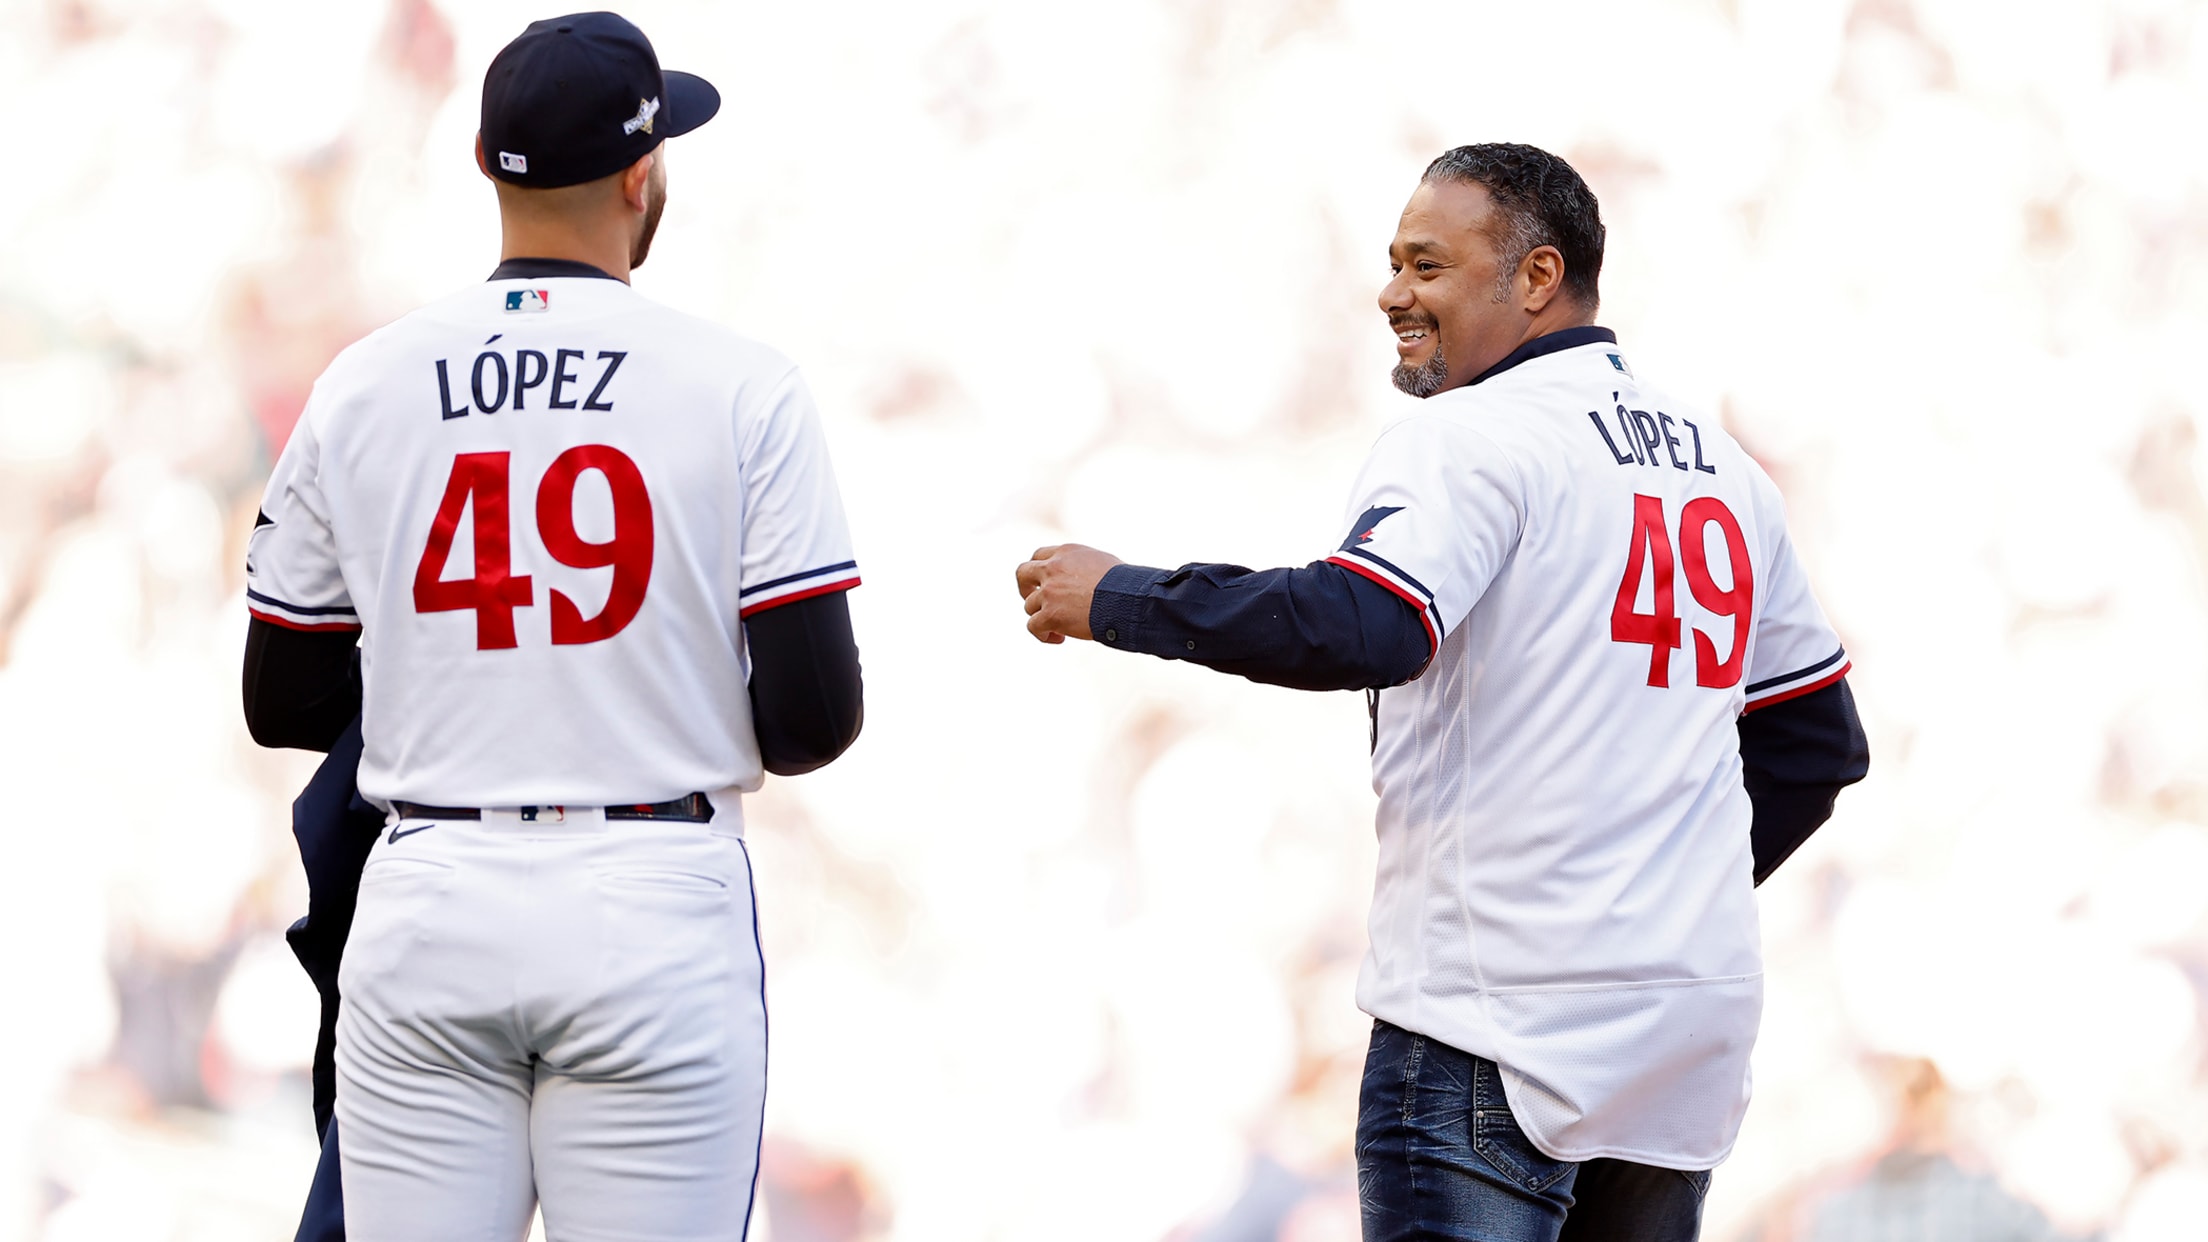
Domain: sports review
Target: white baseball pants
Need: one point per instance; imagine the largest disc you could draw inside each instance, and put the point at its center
(568, 1012)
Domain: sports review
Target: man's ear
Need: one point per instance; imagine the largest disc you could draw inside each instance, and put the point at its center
(482, 165)
(1543, 272)
(635, 180)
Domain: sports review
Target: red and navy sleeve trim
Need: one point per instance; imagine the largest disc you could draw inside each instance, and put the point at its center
(1392, 568)
(1797, 683)
(1409, 589)
(299, 616)
(790, 588)
(787, 579)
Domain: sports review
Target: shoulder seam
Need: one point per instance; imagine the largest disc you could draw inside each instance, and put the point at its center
(1517, 476)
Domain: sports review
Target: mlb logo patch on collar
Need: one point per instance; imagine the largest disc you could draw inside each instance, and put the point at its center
(528, 301)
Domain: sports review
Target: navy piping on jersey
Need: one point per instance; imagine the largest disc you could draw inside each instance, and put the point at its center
(271, 601)
(1819, 666)
(766, 1041)
(530, 269)
(787, 579)
(1548, 343)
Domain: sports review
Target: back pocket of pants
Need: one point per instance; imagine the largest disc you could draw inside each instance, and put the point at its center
(662, 880)
(1498, 1138)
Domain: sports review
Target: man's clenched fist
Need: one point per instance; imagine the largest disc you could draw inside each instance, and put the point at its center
(1057, 586)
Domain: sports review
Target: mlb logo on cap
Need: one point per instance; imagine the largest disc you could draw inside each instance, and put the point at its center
(528, 301)
(580, 97)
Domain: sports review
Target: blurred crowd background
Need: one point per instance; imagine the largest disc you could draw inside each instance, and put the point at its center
(1064, 948)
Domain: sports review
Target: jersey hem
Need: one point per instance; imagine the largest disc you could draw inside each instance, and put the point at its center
(1477, 1032)
(1657, 1159)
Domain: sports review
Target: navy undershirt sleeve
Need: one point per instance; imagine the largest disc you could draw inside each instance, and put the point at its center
(807, 700)
(1795, 758)
(1320, 627)
(301, 687)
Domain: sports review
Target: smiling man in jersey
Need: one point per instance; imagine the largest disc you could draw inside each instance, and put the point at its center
(1605, 706)
(593, 555)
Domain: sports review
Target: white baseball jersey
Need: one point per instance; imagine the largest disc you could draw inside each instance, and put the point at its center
(1564, 873)
(548, 503)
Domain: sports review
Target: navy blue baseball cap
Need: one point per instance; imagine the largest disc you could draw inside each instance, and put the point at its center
(581, 97)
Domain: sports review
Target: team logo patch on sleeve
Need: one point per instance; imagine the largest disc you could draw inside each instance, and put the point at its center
(1368, 523)
(527, 301)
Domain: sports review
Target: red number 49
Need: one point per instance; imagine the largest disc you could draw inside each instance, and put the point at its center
(494, 592)
(1659, 628)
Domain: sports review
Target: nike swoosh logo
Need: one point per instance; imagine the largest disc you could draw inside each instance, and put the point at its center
(395, 836)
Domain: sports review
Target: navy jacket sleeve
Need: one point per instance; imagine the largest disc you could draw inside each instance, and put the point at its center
(1796, 755)
(807, 700)
(335, 829)
(1320, 627)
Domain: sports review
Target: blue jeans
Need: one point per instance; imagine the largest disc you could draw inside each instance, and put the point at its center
(1439, 1157)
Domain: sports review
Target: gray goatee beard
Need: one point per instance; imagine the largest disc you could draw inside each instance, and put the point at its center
(1426, 380)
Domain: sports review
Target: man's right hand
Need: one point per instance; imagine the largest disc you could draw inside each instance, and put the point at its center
(1057, 586)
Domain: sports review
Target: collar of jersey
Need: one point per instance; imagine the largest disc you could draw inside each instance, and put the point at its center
(531, 269)
(1568, 338)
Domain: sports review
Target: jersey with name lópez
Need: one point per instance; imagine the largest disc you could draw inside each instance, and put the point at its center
(1564, 882)
(548, 503)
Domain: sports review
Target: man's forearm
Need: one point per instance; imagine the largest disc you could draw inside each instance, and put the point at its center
(1319, 627)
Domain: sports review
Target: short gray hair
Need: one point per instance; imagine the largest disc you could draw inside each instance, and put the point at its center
(1542, 202)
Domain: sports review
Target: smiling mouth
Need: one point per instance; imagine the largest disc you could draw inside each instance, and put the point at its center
(1410, 336)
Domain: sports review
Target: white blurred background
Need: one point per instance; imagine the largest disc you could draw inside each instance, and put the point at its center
(1063, 949)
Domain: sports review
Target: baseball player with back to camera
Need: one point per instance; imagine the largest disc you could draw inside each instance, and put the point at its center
(1605, 705)
(594, 558)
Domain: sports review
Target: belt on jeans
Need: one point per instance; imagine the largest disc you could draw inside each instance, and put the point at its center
(693, 808)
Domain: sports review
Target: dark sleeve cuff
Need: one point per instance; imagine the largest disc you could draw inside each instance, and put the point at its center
(301, 687)
(1795, 758)
(807, 694)
(1119, 612)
